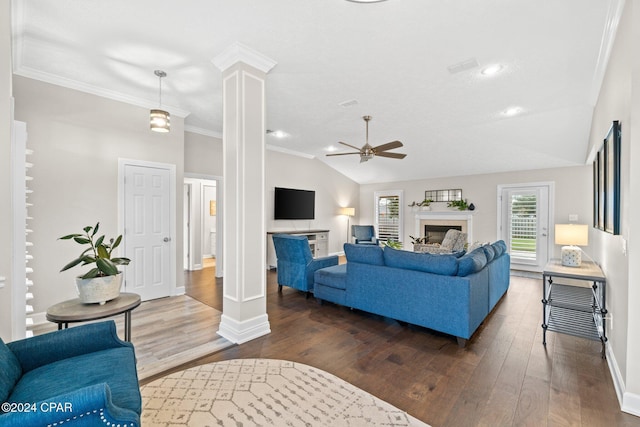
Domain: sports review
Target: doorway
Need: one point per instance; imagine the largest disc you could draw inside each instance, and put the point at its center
(524, 218)
(203, 225)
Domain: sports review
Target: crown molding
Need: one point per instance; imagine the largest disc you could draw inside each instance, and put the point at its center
(95, 90)
(202, 131)
(238, 52)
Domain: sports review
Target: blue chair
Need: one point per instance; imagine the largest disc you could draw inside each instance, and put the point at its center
(87, 373)
(295, 263)
(364, 234)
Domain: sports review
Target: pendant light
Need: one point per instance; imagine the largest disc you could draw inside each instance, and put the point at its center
(160, 120)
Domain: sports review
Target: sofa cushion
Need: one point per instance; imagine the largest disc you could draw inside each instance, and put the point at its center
(70, 374)
(472, 262)
(333, 277)
(10, 371)
(500, 247)
(489, 252)
(445, 264)
(365, 254)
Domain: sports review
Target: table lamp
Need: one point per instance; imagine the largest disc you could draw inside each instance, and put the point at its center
(572, 236)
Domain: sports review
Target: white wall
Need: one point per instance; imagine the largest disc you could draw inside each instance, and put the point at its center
(619, 99)
(77, 139)
(572, 188)
(6, 233)
(333, 190)
(202, 155)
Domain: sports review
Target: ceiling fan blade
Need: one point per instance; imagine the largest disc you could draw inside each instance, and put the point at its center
(341, 154)
(388, 146)
(349, 145)
(391, 155)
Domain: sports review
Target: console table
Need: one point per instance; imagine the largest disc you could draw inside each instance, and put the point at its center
(572, 308)
(318, 243)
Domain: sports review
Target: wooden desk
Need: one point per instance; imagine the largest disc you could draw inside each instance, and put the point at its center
(74, 311)
(572, 308)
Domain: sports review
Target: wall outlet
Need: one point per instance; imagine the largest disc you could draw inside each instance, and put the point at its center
(573, 217)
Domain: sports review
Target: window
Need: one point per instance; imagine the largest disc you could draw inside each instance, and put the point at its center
(388, 215)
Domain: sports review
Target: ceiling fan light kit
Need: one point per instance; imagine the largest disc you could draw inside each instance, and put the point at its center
(367, 152)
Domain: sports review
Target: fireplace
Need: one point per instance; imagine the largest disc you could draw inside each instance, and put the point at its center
(435, 233)
(441, 221)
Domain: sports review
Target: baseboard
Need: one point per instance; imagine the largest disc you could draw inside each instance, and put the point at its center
(239, 332)
(629, 402)
(179, 290)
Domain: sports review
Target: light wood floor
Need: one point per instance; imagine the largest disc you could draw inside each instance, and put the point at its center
(168, 332)
(504, 377)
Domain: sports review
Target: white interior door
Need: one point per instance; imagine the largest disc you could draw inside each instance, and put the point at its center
(525, 225)
(147, 230)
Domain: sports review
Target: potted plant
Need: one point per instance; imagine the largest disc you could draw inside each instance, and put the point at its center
(424, 205)
(461, 205)
(102, 283)
(393, 244)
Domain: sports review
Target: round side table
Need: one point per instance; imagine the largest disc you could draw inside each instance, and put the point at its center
(74, 311)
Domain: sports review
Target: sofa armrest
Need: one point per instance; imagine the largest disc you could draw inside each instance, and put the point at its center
(43, 349)
(88, 406)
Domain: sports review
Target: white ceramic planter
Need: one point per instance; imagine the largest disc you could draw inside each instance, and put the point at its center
(99, 289)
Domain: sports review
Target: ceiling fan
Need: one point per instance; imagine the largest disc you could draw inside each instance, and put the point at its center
(368, 152)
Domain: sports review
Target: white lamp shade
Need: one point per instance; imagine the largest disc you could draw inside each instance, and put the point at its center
(572, 234)
(348, 211)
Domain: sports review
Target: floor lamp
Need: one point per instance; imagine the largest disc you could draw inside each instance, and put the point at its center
(349, 212)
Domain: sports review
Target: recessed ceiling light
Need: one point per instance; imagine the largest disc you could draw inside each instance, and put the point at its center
(491, 70)
(512, 111)
(331, 148)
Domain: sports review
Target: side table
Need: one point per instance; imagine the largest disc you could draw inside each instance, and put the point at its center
(571, 308)
(74, 311)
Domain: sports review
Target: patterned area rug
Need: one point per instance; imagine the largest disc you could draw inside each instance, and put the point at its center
(263, 392)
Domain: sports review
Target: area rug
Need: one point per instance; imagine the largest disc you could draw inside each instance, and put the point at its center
(263, 392)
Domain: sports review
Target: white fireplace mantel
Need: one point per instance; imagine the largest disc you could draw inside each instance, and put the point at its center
(445, 215)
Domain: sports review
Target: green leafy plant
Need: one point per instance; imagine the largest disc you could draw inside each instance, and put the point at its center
(460, 204)
(394, 244)
(425, 202)
(98, 253)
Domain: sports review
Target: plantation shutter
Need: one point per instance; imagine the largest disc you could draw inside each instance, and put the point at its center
(524, 225)
(388, 217)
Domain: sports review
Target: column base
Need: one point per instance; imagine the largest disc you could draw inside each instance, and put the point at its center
(239, 332)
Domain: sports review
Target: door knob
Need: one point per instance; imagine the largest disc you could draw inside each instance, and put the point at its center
(167, 239)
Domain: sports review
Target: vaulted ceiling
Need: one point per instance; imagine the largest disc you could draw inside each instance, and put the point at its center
(416, 66)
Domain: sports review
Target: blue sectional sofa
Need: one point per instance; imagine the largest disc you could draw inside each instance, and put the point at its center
(447, 293)
(81, 376)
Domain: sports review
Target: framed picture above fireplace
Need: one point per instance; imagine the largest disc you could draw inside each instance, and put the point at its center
(443, 195)
(606, 183)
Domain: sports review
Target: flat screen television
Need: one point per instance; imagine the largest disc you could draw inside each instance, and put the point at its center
(290, 203)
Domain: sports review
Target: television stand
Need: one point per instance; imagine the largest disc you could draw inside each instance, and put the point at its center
(318, 243)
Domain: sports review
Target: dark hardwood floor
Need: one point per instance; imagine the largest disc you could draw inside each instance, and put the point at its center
(504, 376)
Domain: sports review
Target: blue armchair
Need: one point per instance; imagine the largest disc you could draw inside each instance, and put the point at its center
(81, 376)
(295, 263)
(364, 234)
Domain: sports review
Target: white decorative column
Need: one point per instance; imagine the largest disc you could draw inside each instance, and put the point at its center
(244, 285)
